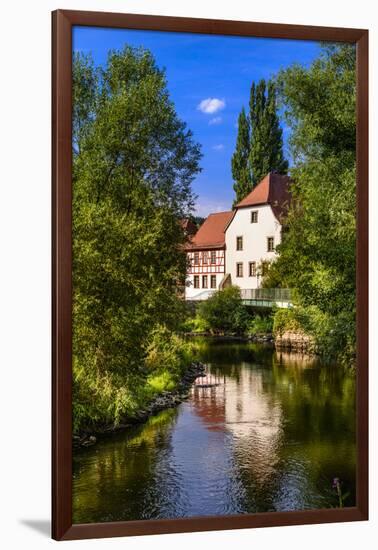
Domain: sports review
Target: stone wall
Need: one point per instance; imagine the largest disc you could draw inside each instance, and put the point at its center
(295, 341)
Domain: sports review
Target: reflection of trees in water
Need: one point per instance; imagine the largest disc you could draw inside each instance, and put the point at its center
(223, 353)
(275, 432)
(119, 479)
(318, 404)
(293, 420)
(317, 400)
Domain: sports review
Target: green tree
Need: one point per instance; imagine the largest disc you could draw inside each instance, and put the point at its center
(134, 161)
(224, 311)
(317, 255)
(240, 159)
(266, 148)
(259, 144)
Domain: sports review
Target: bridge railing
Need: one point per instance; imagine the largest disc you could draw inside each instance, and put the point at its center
(266, 294)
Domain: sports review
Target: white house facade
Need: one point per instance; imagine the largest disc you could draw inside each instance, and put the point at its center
(256, 230)
(235, 248)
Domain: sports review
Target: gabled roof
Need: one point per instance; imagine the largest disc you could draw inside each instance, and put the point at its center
(273, 190)
(211, 233)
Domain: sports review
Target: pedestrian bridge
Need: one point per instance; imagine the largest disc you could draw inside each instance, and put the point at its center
(257, 297)
(266, 297)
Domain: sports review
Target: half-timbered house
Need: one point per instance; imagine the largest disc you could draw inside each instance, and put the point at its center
(206, 257)
(235, 247)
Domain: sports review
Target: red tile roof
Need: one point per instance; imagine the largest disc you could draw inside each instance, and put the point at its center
(211, 233)
(273, 190)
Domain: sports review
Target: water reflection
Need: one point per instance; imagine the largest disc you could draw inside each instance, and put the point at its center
(262, 432)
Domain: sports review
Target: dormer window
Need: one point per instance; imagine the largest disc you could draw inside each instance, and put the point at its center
(254, 216)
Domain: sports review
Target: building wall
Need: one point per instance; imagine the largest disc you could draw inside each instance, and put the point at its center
(255, 237)
(203, 268)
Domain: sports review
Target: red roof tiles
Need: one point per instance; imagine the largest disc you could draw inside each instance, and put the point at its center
(211, 233)
(273, 190)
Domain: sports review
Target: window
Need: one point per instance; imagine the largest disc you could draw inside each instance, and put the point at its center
(204, 258)
(196, 258)
(196, 281)
(239, 243)
(252, 269)
(204, 281)
(213, 281)
(264, 268)
(270, 244)
(213, 257)
(239, 269)
(254, 216)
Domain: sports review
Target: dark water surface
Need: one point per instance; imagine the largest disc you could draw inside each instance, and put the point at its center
(271, 436)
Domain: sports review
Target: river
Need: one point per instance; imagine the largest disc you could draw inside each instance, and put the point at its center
(267, 431)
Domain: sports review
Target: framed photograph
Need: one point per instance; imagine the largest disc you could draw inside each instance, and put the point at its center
(210, 274)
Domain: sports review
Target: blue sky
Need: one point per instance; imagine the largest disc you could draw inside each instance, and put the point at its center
(209, 79)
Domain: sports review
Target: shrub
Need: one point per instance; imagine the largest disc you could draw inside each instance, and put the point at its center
(287, 320)
(333, 335)
(167, 352)
(260, 325)
(105, 398)
(224, 311)
(161, 382)
(195, 324)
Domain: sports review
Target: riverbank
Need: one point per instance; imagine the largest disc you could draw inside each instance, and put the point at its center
(164, 400)
(227, 337)
(295, 341)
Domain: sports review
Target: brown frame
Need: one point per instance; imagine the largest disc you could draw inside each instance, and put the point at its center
(62, 22)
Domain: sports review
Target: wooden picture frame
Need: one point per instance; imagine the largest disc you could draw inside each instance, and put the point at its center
(62, 24)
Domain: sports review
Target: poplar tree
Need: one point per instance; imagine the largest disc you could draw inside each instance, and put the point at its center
(259, 144)
(240, 159)
(266, 147)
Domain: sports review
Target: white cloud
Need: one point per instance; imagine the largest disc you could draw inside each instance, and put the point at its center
(218, 147)
(211, 105)
(215, 120)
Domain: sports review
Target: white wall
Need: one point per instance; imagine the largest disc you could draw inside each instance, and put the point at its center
(254, 242)
(25, 273)
(201, 269)
(192, 293)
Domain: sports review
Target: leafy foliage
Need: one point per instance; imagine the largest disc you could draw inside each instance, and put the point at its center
(240, 159)
(332, 337)
(260, 325)
(224, 311)
(259, 145)
(317, 254)
(134, 162)
(266, 152)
